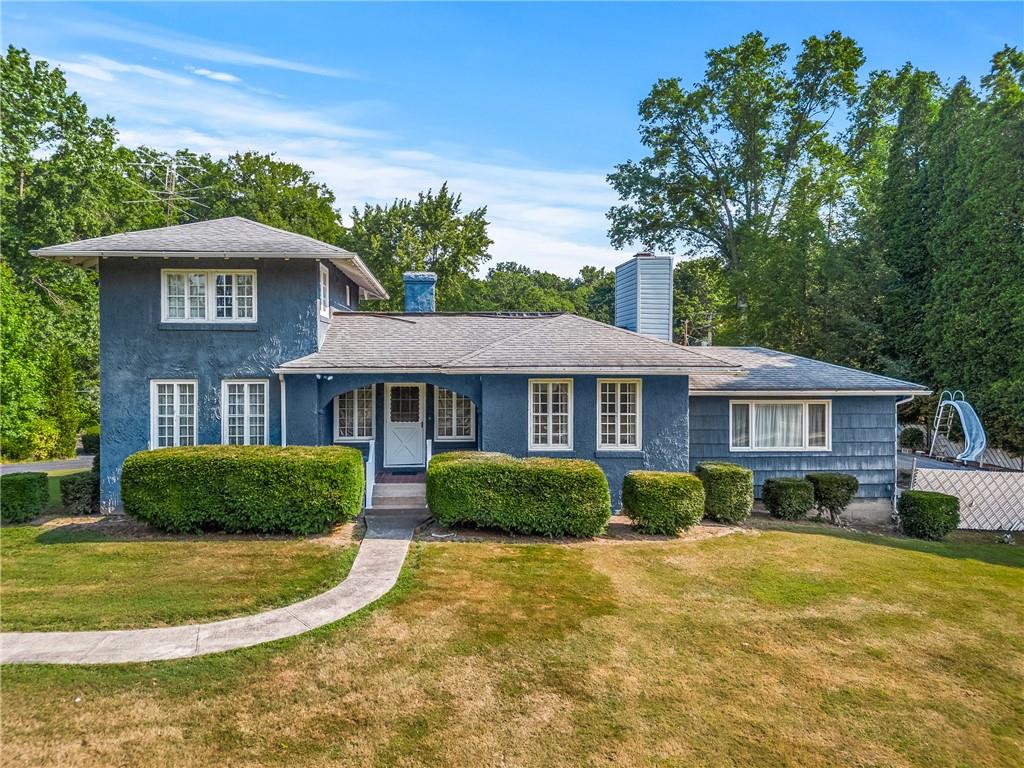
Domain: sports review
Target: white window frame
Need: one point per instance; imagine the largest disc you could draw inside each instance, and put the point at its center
(619, 446)
(323, 296)
(472, 417)
(211, 296)
(265, 383)
(338, 438)
(153, 383)
(348, 296)
(827, 448)
(546, 448)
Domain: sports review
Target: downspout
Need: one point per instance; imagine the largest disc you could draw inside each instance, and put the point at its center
(284, 410)
(896, 449)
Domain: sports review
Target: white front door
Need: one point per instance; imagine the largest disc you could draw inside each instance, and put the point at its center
(405, 443)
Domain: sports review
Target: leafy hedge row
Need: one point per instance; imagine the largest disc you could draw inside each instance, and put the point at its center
(80, 493)
(833, 492)
(927, 514)
(91, 440)
(788, 498)
(548, 497)
(258, 489)
(728, 489)
(662, 503)
(23, 496)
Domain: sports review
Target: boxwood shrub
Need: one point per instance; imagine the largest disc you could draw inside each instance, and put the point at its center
(548, 497)
(80, 493)
(728, 491)
(833, 492)
(788, 498)
(91, 440)
(663, 503)
(257, 489)
(23, 496)
(927, 514)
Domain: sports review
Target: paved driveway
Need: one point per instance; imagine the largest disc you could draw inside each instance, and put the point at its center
(79, 462)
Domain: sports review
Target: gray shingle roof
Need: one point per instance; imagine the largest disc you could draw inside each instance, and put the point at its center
(231, 236)
(771, 371)
(361, 341)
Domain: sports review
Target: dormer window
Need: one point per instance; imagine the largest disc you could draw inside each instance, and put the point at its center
(324, 298)
(208, 295)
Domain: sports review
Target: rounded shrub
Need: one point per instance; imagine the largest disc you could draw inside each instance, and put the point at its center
(912, 438)
(80, 493)
(927, 514)
(547, 497)
(728, 491)
(662, 503)
(239, 489)
(23, 496)
(787, 498)
(833, 492)
(91, 440)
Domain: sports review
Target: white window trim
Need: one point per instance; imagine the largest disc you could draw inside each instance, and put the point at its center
(152, 411)
(529, 417)
(245, 412)
(211, 296)
(805, 448)
(373, 417)
(639, 416)
(323, 291)
(348, 296)
(472, 418)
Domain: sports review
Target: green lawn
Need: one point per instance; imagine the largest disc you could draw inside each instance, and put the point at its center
(71, 577)
(796, 646)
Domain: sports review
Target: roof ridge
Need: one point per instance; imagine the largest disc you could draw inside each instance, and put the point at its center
(504, 340)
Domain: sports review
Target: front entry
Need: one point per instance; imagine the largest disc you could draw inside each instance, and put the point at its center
(405, 443)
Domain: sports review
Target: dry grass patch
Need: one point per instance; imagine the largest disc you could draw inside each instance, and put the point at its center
(802, 648)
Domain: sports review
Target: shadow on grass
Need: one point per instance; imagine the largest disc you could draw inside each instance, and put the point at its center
(104, 529)
(982, 546)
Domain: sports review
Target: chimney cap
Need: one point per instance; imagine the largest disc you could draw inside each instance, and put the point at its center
(419, 277)
(644, 255)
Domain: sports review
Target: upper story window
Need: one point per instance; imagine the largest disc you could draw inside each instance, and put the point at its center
(551, 414)
(780, 425)
(244, 412)
(172, 413)
(324, 296)
(353, 419)
(454, 416)
(208, 295)
(618, 403)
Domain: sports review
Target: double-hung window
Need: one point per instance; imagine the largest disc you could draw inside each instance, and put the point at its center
(172, 413)
(551, 414)
(244, 412)
(618, 422)
(208, 295)
(324, 295)
(353, 415)
(780, 425)
(454, 416)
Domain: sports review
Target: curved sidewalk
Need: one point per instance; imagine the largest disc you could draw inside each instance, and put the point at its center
(373, 574)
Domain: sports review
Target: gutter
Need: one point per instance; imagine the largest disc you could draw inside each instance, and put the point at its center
(618, 371)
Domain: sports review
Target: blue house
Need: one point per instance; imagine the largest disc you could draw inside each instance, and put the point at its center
(230, 331)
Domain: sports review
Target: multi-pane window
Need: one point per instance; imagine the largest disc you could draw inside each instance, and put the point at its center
(453, 415)
(782, 425)
(209, 294)
(354, 414)
(618, 414)
(324, 296)
(172, 413)
(244, 412)
(551, 414)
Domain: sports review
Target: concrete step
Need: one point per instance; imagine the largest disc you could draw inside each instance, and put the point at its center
(399, 490)
(404, 502)
(391, 518)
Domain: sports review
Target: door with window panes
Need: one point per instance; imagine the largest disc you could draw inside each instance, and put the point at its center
(405, 442)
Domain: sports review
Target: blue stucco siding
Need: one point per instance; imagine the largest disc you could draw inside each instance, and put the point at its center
(863, 444)
(135, 348)
(337, 283)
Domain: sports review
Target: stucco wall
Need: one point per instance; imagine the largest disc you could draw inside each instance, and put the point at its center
(135, 347)
(863, 444)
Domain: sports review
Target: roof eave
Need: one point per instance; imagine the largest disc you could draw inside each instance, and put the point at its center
(807, 392)
(532, 370)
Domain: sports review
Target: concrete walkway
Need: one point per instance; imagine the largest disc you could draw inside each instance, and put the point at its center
(373, 574)
(79, 462)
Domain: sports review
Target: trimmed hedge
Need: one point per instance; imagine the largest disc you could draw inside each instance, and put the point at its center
(788, 498)
(728, 490)
(80, 493)
(833, 492)
(91, 440)
(244, 489)
(548, 497)
(23, 496)
(927, 514)
(662, 503)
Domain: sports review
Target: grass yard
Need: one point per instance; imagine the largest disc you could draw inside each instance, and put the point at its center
(795, 646)
(77, 576)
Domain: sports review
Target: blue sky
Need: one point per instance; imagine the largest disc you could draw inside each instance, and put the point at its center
(523, 108)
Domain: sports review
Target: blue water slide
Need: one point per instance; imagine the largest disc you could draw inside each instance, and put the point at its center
(974, 434)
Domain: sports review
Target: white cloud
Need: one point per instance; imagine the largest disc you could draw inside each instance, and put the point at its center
(221, 77)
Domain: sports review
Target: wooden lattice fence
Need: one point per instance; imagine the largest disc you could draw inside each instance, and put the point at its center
(989, 501)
